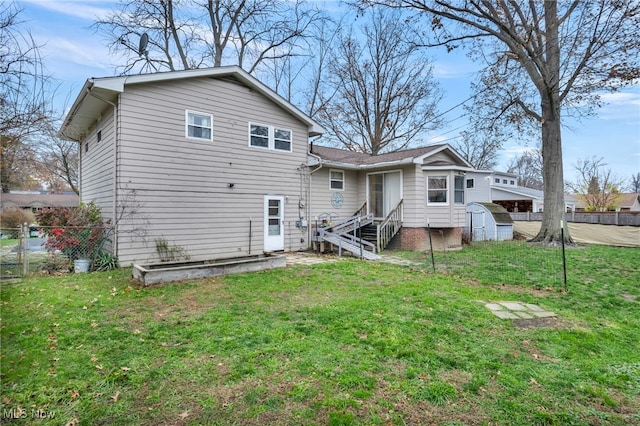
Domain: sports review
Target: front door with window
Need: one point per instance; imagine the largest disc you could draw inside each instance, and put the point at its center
(273, 223)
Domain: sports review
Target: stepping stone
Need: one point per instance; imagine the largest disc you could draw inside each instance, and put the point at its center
(513, 306)
(494, 307)
(505, 315)
(544, 314)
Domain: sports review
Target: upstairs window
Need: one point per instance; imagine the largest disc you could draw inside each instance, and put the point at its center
(497, 180)
(199, 125)
(458, 190)
(437, 190)
(282, 139)
(269, 137)
(259, 136)
(470, 183)
(336, 180)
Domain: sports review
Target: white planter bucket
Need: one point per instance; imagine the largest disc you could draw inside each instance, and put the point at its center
(81, 265)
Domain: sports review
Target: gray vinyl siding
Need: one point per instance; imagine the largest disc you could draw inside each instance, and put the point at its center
(481, 191)
(96, 166)
(181, 184)
(414, 197)
(353, 195)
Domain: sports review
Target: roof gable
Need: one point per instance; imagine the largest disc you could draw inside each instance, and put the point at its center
(97, 93)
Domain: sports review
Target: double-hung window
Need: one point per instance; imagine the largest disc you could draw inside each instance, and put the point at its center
(458, 190)
(259, 136)
(336, 180)
(270, 137)
(199, 125)
(437, 190)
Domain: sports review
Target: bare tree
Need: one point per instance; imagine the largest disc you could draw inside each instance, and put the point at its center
(185, 35)
(567, 51)
(597, 186)
(479, 147)
(528, 168)
(57, 159)
(24, 97)
(634, 184)
(385, 95)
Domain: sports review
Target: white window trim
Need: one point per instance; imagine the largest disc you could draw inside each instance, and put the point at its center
(463, 189)
(335, 180)
(186, 125)
(438, 203)
(271, 140)
(473, 183)
(249, 135)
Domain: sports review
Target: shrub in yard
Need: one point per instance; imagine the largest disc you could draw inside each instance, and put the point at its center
(77, 232)
(13, 218)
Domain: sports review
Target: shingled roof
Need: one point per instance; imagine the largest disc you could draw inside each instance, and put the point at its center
(361, 159)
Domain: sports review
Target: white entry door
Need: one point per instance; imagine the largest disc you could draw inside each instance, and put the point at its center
(273, 223)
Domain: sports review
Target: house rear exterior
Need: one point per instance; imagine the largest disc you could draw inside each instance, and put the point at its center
(209, 163)
(424, 186)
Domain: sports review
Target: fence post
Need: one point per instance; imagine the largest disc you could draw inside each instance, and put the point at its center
(25, 249)
(564, 259)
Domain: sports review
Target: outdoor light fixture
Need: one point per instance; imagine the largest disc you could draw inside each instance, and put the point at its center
(231, 185)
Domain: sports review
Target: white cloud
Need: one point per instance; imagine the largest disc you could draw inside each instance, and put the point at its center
(89, 10)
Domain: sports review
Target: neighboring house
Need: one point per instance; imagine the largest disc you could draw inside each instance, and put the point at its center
(624, 202)
(425, 186)
(208, 163)
(37, 201)
(628, 202)
(503, 189)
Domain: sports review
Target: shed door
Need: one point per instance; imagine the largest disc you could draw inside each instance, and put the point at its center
(273, 223)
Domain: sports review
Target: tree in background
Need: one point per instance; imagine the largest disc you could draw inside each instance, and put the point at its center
(598, 187)
(557, 56)
(385, 96)
(634, 185)
(186, 35)
(479, 147)
(528, 168)
(24, 99)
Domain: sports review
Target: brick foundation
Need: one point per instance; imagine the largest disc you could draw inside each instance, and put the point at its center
(417, 239)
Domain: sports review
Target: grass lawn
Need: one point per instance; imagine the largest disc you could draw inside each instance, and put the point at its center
(345, 343)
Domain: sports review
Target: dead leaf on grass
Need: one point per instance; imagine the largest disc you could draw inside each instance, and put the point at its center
(115, 397)
(73, 422)
(99, 367)
(183, 415)
(75, 394)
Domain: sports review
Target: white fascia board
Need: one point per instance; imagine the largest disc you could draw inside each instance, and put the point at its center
(447, 168)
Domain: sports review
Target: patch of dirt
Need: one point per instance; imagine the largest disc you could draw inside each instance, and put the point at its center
(190, 302)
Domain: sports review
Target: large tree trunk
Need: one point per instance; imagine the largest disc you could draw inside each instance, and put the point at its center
(552, 173)
(553, 177)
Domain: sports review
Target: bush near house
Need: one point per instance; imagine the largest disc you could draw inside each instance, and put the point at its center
(78, 232)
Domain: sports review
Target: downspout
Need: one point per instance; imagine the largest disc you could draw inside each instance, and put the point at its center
(310, 202)
(115, 170)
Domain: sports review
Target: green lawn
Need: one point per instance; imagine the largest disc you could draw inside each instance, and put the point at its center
(341, 343)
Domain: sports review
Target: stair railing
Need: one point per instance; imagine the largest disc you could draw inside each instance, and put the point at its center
(389, 227)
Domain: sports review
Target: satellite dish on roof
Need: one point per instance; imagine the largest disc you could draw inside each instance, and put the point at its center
(142, 46)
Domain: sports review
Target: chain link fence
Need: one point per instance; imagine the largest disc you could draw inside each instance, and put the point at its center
(33, 249)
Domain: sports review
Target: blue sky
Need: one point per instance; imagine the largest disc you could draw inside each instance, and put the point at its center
(73, 52)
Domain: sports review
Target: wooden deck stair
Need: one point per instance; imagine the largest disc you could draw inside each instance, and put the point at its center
(361, 234)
